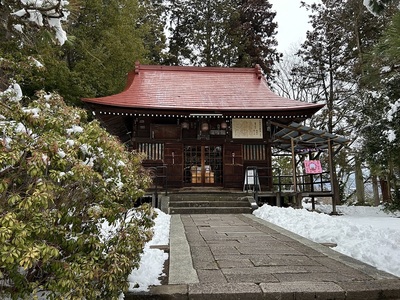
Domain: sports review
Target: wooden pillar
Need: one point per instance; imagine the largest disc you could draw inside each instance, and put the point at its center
(332, 177)
(297, 196)
(294, 167)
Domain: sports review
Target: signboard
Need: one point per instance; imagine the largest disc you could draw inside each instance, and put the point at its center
(251, 180)
(247, 129)
(313, 166)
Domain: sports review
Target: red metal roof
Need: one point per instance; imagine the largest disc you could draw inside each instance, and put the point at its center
(199, 88)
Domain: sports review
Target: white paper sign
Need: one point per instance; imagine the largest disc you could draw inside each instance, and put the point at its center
(247, 129)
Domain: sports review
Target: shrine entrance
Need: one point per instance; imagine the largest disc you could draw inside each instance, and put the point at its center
(203, 165)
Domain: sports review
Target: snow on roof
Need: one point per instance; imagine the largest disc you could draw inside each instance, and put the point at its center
(199, 88)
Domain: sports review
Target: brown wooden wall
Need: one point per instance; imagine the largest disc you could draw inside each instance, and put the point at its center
(233, 166)
(174, 161)
(168, 136)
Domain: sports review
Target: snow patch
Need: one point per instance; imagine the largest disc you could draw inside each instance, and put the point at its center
(13, 92)
(377, 245)
(75, 129)
(152, 260)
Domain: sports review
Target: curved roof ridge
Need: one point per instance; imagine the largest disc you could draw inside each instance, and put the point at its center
(139, 67)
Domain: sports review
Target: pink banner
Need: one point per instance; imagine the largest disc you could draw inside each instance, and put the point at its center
(313, 166)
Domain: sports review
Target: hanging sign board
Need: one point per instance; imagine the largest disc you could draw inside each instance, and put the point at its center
(247, 129)
(313, 166)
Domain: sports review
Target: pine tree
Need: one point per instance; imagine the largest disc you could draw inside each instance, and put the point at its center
(257, 36)
(23, 28)
(327, 62)
(179, 25)
(198, 32)
(377, 6)
(106, 43)
(228, 33)
(343, 32)
(105, 38)
(382, 118)
(152, 22)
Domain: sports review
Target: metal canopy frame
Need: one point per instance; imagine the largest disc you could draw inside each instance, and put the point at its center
(304, 137)
(300, 139)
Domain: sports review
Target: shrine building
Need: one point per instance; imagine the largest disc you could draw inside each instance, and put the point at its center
(205, 126)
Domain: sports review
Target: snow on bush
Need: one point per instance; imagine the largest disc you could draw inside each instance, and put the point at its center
(41, 13)
(60, 177)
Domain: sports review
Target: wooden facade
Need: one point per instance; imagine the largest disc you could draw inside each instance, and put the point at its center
(201, 151)
(200, 126)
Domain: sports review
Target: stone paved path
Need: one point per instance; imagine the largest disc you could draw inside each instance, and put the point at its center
(242, 257)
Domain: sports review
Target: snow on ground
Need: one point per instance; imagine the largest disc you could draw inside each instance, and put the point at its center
(364, 233)
(365, 215)
(152, 260)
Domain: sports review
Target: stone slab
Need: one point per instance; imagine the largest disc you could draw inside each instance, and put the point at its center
(251, 278)
(211, 276)
(312, 277)
(371, 290)
(298, 270)
(303, 290)
(228, 291)
(284, 260)
(234, 263)
(349, 261)
(164, 292)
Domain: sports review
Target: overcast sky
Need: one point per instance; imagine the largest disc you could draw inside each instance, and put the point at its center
(292, 23)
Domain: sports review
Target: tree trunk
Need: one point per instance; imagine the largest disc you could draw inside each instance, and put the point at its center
(360, 191)
(375, 190)
(385, 189)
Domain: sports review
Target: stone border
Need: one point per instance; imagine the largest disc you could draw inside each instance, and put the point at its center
(181, 269)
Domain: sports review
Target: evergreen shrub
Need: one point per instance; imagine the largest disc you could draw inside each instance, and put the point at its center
(61, 179)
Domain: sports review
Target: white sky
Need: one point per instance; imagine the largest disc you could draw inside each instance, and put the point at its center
(292, 23)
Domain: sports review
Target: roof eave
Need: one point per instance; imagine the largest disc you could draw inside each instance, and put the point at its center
(311, 107)
(298, 112)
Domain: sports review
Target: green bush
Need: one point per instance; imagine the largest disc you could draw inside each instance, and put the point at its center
(61, 178)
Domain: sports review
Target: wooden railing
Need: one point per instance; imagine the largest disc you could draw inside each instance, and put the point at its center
(269, 182)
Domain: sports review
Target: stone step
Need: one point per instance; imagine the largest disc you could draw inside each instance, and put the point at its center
(210, 210)
(206, 197)
(207, 203)
(195, 203)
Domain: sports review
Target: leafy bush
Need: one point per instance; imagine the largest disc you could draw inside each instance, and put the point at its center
(61, 178)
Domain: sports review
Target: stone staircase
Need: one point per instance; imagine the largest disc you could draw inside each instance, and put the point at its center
(210, 203)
